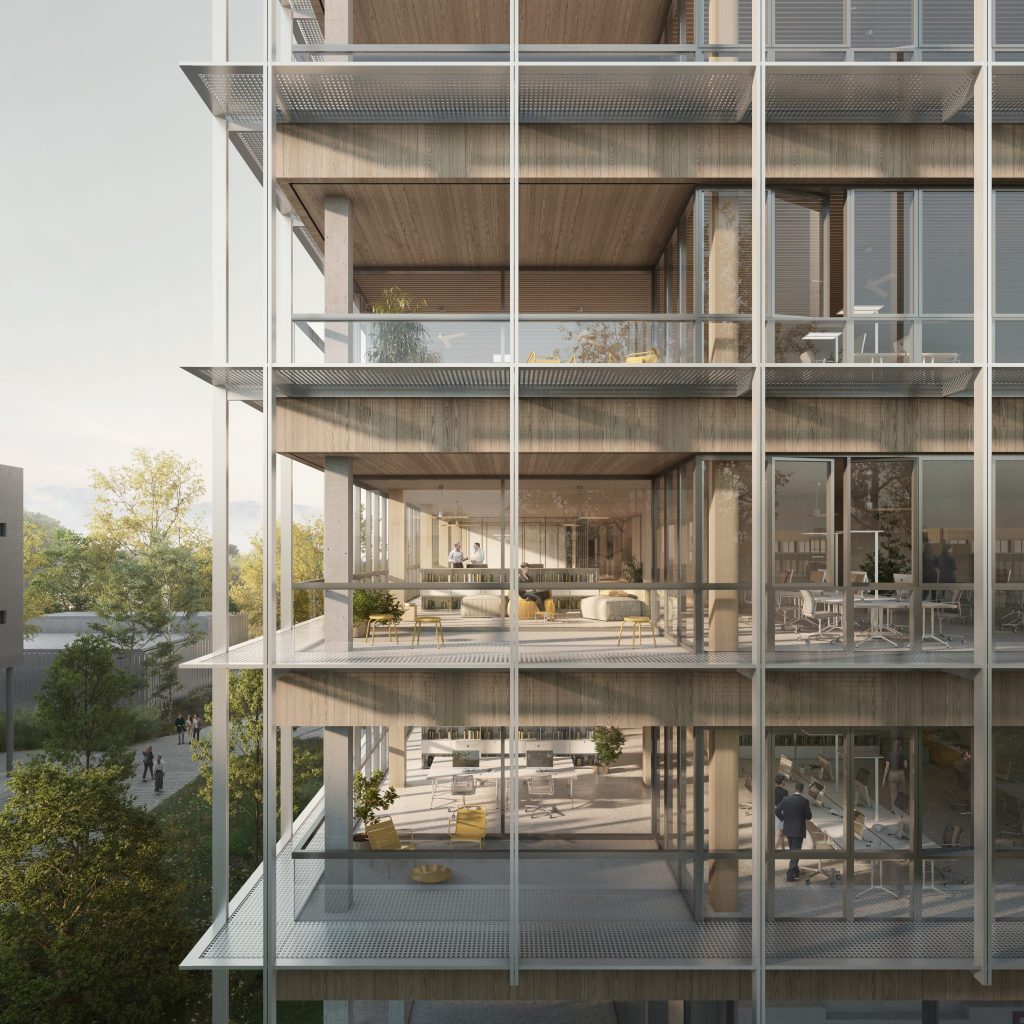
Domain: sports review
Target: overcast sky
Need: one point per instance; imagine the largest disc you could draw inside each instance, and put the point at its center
(105, 272)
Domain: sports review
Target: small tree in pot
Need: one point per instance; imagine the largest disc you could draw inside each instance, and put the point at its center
(368, 799)
(608, 744)
(374, 602)
(400, 341)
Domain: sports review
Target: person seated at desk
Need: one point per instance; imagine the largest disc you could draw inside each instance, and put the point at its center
(457, 557)
(478, 556)
(538, 597)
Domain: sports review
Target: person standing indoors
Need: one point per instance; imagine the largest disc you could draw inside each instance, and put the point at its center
(457, 557)
(179, 724)
(477, 556)
(780, 794)
(147, 762)
(897, 771)
(158, 775)
(794, 812)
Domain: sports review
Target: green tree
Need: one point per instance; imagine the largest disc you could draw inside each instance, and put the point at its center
(148, 501)
(599, 342)
(245, 768)
(33, 553)
(81, 708)
(307, 564)
(90, 926)
(64, 574)
(400, 341)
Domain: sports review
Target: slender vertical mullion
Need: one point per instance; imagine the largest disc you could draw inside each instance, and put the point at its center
(513, 603)
(698, 556)
(849, 836)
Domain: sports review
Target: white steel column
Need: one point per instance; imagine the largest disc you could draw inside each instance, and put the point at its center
(269, 534)
(760, 851)
(982, 804)
(219, 608)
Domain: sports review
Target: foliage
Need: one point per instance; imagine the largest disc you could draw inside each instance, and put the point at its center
(245, 767)
(599, 342)
(608, 744)
(148, 501)
(400, 341)
(375, 602)
(91, 928)
(367, 798)
(80, 709)
(64, 574)
(145, 723)
(307, 564)
(633, 570)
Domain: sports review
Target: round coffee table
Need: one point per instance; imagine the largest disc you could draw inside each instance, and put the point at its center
(430, 874)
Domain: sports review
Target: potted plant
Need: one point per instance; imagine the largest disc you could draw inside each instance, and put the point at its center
(633, 570)
(400, 341)
(373, 602)
(608, 744)
(368, 799)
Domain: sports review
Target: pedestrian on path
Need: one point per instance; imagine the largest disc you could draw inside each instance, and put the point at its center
(179, 724)
(190, 726)
(158, 774)
(147, 762)
(197, 724)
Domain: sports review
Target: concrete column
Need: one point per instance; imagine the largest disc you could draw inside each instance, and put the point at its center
(337, 551)
(9, 709)
(722, 223)
(723, 556)
(645, 757)
(396, 754)
(339, 285)
(338, 21)
(723, 818)
(338, 1011)
(338, 753)
(723, 23)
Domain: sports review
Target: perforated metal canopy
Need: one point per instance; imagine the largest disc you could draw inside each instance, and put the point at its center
(913, 381)
(1008, 94)
(1008, 381)
(346, 380)
(726, 381)
(904, 93)
(597, 92)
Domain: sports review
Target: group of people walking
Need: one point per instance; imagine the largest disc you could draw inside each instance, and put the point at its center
(153, 767)
(188, 728)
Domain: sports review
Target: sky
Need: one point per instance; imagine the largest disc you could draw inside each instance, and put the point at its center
(106, 268)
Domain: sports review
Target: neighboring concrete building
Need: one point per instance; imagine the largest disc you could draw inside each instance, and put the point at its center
(55, 631)
(704, 419)
(12, 590)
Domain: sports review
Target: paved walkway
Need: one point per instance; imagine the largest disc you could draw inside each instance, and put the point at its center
(180, 769)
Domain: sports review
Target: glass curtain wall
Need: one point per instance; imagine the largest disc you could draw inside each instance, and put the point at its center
(872, 276)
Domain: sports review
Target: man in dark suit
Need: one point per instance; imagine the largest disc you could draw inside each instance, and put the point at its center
(794, 812)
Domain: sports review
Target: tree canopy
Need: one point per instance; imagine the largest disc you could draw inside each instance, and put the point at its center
(81, 708)
(90, 930)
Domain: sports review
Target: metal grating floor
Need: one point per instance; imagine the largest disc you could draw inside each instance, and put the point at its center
(716, 380)
(338, 380)
(923, 381)
(1008, 940)
(877, 939)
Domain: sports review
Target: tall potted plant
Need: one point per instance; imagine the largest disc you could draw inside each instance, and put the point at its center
(400, 341)
(608, 744)
(368, 799)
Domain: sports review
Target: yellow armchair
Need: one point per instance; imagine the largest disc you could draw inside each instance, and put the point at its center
(648, 355)
(468, 825)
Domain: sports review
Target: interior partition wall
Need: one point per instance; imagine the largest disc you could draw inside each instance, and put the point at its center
(816, 216)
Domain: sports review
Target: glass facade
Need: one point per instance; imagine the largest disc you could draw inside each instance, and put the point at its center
(669, 475)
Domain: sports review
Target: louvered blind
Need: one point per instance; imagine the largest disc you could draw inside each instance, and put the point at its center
(808, 22)
(882, 248)
(733, 28)
(1009, 250)
(1009, 18)
(799, 255)
(947, 23)
(882, 24)
(947, 252)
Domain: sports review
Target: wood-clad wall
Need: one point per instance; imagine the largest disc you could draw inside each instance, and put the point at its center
(1007, 153)
(631, 699)
(453, 984)
(392, 152)
(627, 425)
(854, 699)
(1007, 425)
(813, 986)
(1007, 698)
(852, 153)
(868, 425)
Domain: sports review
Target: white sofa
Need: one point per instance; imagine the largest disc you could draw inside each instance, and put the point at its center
(482, 606)
(611, 609)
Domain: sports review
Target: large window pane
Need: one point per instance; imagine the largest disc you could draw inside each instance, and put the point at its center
(801, 255)
(1009, 248)
(947, 252)
(883, 250)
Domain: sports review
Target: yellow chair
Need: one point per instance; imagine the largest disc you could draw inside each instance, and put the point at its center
(648, 355)
(468, 825)
(528, 610)
(534, 358)
(383, 835)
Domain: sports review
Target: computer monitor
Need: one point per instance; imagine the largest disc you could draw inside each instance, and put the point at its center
(540, 759)
(465, 758)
